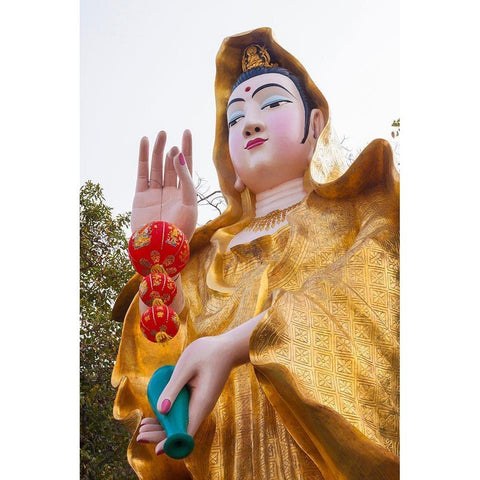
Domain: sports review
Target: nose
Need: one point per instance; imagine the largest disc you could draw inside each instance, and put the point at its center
(252, 126)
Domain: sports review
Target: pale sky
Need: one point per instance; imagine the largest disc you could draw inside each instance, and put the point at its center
(149, 65)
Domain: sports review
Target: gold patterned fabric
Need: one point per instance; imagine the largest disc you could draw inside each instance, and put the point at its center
(319, 398)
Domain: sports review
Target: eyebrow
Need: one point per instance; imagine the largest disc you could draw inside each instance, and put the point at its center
(235, 100)
(257, 90)
(270, 85)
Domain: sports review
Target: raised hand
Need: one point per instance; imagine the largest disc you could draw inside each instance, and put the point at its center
(157, 195)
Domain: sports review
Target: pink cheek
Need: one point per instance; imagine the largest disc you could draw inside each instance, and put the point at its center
(289, 125)
(281, 126)
(235, 144)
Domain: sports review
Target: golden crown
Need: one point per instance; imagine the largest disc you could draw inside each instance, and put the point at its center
(256, 55)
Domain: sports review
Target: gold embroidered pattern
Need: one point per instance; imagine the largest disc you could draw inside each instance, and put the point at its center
(269, 220)
(142, 237)
(158, 269)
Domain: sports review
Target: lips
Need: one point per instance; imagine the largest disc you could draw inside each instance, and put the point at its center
(255, 142)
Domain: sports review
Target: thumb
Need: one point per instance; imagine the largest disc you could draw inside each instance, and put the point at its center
(201, 404)
(177, 381)
(159, 448)
(189, 195)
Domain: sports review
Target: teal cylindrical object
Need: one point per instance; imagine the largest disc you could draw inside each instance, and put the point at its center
(179, 443)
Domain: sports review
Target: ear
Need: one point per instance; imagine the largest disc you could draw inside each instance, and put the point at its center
(239, 185)
(317, 122)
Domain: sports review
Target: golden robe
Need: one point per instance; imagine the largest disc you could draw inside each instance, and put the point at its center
(320, 396)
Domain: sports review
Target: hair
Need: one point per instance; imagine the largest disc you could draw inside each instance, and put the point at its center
(308, 103)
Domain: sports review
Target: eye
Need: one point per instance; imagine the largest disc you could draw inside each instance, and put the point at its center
(274, 102)
(234, 119)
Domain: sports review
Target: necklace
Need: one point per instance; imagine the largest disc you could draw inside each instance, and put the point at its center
(270, 219)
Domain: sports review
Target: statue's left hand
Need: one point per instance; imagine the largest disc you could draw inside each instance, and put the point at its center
(204, 366)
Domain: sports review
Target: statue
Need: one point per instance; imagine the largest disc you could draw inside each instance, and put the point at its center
(288, 337)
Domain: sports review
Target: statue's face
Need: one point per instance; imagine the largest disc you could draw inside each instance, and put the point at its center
(266, 120)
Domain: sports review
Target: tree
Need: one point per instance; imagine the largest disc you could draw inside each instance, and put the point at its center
(395, 133)
(206, 197)
(104, 270)
(396, 125)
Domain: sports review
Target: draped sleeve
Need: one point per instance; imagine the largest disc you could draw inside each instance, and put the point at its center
(327, 353)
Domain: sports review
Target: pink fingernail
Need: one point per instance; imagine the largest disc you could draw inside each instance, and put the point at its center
(166, 404)
(181, 159)
(160, 452)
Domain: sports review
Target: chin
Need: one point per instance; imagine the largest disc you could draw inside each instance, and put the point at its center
(265, 171)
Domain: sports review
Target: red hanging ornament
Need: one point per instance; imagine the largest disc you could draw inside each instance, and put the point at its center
(158, 247)
(159, 323)
(157, 285)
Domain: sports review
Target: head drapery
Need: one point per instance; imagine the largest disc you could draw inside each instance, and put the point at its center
(328, 162)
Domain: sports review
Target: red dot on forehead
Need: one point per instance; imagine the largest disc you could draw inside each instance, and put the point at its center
(247, 89)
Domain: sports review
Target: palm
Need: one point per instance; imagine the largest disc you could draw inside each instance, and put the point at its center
(163, 204)
(157, 195)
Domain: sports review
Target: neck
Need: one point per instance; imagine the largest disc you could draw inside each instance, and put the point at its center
(280, 197)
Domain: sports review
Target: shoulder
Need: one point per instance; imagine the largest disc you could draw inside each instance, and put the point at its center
(374, 167)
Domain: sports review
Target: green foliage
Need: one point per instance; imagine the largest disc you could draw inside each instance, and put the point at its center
(104, 270)
(396, 125)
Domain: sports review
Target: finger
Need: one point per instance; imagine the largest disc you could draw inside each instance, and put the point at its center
(159, 448)
(156, 171)
(178, 380)
(150, 427)
(142, 307)
(142, 173)
(189, 195)
(170, 176)
(148, 420)
(187, 149)
(152, 437)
